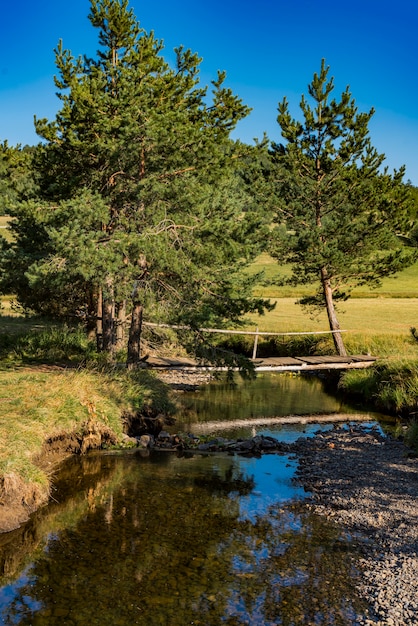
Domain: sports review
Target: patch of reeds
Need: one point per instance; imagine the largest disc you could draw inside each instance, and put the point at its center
(288, 345)
(391, 386)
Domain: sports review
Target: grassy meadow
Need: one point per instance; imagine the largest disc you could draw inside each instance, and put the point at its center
(375, 321)
(402, 285)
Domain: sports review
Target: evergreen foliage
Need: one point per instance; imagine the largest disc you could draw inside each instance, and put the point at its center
(16, 182)
(338, 217)
(141, 201)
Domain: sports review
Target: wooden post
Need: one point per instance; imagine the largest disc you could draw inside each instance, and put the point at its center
(255, 344)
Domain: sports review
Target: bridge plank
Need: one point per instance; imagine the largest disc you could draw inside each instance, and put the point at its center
(279, 364)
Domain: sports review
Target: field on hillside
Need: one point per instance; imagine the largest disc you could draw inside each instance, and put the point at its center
(403, 285)
(378, 320)
(365, 316)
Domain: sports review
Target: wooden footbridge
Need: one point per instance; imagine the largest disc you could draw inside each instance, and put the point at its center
(272, 364)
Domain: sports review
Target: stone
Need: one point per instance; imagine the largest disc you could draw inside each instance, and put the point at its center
(145, 441)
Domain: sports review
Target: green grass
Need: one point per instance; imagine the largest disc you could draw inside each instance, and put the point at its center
(377, 327)
(390, 386)
(46, 403)
(376, 321)
(403, 285)
(44, 343)
(38, 403)
(366, 315)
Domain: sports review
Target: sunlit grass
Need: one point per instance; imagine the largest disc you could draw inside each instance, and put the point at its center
(35, 405)
(390, 386)
(402, 285)
(9, 311)
(366, 316)
(4, 232)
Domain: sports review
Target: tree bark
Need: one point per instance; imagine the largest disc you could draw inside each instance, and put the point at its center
(120, 325)
(108, 325)
(332, 317)
(99, 321)
(108, 316)
(92, 312)
(135, 330)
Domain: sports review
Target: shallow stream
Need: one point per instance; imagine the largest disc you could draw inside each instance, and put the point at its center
(167, 540)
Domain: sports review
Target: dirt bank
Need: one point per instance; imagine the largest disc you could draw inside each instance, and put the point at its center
(368, 484)
(19, 498)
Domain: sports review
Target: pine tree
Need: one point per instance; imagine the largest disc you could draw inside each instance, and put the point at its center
(338, 216)
(16, 181)
(141, 199)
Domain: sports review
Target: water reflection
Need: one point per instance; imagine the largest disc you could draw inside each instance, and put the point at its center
(269, 395)
(178, 541)
(165, 540)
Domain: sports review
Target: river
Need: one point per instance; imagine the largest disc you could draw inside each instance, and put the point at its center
(159, 539)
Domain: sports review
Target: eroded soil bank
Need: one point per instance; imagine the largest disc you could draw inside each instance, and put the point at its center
(20, 498)
(368, 484)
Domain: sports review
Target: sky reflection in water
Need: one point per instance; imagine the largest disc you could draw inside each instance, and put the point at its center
(165, 540)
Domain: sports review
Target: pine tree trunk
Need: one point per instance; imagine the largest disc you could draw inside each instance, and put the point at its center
(332, 317)
(108, 315)
(99, 321)
(108, 325)
(91, 315)
(134, 342)
(120, 325)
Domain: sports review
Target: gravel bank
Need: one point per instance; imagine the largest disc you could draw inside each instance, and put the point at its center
(184, 380)
(368, 483)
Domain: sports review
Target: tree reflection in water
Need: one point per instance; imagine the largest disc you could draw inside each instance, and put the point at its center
(163, 541)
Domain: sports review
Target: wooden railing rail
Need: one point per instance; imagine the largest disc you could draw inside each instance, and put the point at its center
(256, 333)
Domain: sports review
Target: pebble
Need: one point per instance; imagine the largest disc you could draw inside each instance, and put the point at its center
(367, 483)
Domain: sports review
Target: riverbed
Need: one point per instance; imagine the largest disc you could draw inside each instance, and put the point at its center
(166, 538)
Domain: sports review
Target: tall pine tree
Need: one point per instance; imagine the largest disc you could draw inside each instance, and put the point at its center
(338, 217)
(141, 202)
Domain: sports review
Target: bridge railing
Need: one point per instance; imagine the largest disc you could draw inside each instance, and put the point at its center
(257, 333)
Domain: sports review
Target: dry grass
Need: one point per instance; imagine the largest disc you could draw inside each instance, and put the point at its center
(36, 405)
(376, 326)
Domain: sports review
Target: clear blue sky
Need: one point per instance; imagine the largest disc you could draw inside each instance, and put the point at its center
(269, 49)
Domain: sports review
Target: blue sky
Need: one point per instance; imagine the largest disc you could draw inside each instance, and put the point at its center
(269, 49)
